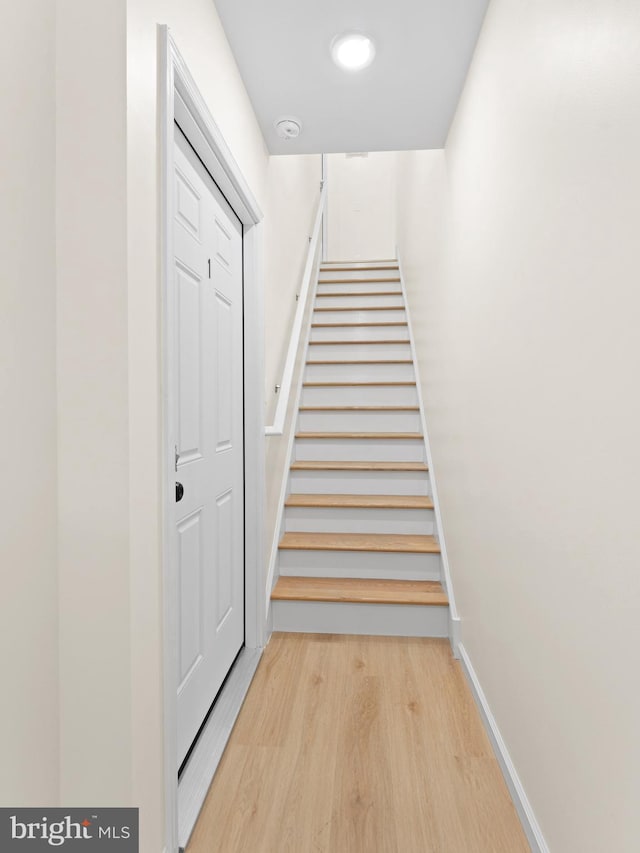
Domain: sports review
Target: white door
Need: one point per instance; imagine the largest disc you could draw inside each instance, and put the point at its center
(207, 398)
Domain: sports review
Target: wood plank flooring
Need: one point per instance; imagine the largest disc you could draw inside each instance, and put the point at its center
(358, 745)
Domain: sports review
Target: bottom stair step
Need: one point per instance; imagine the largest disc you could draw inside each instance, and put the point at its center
(355, 606)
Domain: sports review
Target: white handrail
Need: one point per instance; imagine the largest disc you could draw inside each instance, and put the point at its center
(285, 387)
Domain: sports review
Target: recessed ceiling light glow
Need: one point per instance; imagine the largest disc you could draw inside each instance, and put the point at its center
(353, 51)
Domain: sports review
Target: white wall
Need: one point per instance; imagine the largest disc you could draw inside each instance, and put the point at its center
(361, 210)
(93, 442)
(521, 252)
(28, 604)
(293, 193)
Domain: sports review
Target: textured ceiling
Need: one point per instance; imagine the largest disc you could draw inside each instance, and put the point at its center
(404, 100)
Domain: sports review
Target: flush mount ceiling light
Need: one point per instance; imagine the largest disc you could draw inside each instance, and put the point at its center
(353, 51)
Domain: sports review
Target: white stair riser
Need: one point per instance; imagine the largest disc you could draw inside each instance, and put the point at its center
(359, 564)
(407, 522)
(354, 351)
(361, 395)
(359, 372)
(360, 482)
(361, 315)
(360, 333)
(360, 286)
(315, 421)
(375, 275)
(390, 620)
(358, 272)
(362, 301)
(360, 450)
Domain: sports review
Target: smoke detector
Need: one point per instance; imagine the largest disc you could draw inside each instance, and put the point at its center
(288, 127)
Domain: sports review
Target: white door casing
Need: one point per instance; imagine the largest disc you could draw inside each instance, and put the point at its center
(208, 418)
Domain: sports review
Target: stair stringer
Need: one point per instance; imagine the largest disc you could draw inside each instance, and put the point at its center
(453, 617)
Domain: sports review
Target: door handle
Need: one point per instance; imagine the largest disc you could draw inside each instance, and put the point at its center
(179, 492)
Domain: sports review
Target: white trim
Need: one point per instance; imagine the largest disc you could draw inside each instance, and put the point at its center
(294, 340)
(523, 806)
(254, 447)
(180, 98)
(454, 618)
(192, 113)
(284, 487)
(203, 763)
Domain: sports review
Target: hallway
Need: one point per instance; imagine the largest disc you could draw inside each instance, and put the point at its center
(490, 148)
(358, 745)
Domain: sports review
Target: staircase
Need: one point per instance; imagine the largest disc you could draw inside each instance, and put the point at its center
(359, 554)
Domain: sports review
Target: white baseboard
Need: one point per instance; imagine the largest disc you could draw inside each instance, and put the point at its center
(454, 634)
(523, 806)
(204, 761)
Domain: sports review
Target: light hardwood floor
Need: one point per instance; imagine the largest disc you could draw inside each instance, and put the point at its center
(358, 745)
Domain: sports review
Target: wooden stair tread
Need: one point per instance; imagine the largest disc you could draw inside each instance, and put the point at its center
(391, 543)
(358, 280)
(363, 361)
(355, 343)
(367, 266)
(361, 435)
(359, 409)
(360, 590)
(361, 501)
(356, 465)
(345, 325)
(367, 308)
(351, 261)
(346, 294)
(353, 384)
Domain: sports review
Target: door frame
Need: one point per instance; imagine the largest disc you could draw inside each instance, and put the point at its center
(180, 100)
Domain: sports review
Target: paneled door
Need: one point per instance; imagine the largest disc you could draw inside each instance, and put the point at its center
(207, 393)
